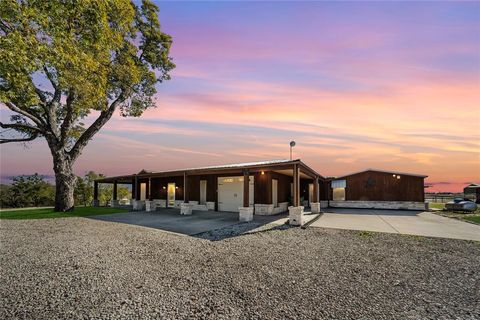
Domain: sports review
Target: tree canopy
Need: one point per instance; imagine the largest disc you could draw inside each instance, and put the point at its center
(59, 61)
(62, 61)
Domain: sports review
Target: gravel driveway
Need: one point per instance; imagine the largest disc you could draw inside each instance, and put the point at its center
(81, 268)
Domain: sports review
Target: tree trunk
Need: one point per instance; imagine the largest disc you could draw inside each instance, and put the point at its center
(64, 183)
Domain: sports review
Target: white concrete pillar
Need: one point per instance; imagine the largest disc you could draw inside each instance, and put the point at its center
(186, 208)
(295, 216)
(138, 205)
(315, 207)
(245, 214)
(150, 205)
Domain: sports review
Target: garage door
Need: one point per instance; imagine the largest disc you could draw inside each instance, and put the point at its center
(230, 193)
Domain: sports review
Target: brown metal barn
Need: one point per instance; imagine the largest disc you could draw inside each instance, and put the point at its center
(379, 189)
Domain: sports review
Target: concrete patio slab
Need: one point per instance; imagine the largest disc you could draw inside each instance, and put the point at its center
(396, 221)
(171, 220)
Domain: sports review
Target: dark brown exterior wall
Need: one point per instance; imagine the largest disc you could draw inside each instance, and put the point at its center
(284, 187)
(380, 186)
(263, 187)
(262, 193)
(158, 192)
(324, 190)
(193, 187)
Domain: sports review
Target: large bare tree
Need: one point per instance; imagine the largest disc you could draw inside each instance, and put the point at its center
(64, 62)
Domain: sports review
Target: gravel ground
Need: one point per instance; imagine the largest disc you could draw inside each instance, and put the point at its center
(81, 268)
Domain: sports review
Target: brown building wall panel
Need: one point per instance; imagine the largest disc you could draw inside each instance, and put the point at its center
(193, 187)
(380, 186)
(283, 186)
(159, 192)
(262, 186)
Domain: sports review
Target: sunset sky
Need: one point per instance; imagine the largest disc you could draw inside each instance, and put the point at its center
(392, 86)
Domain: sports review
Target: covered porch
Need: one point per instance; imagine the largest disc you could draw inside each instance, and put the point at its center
(266, 188)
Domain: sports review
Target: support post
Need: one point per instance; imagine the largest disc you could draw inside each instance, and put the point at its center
(185, 189)
(295, 212)
(137, 192)
(115, 202)
(246, 189)
(95, 194)
(115, 190)
(315, 190)
(296, 186)
(245, 213)
(149, 189)
(315, 203)
(133, 189)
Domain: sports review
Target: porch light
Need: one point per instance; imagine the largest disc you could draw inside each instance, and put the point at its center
(176, 187)
(398, 177)
(394, 175)
(164, 187)
(263, 172)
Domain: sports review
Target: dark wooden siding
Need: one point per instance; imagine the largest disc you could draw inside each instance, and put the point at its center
(284, 187)
(262, 187)
(159, 192)
(381, 186)
(193, 187)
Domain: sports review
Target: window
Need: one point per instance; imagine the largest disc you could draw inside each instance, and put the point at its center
(338, 187)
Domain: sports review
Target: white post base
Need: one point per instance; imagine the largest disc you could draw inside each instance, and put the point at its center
(186, 208)
(295, 216)
(245, 214)
(150, 205)
(138, 205)
(210, 205)
(315, 207)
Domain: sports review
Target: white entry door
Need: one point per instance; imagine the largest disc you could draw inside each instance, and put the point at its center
(203, 191)
(230, 193)
(171, 195)
(275, 192)
(143, 191)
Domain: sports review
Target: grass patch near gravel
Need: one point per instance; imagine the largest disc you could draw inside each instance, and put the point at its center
(48, 213)
(366, 234)
(475, 219)
(471, 217)
(436, 205)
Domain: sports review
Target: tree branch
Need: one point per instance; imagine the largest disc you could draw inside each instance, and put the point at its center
(50, 78)
(88, 134)
(19, 127)
(33, 136)
(24, 113)
(69, 117)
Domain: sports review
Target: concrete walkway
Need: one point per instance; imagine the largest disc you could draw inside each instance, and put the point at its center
(396, 221)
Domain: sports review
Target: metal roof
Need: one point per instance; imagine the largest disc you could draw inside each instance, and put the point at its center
(384, 171)
(255, 164)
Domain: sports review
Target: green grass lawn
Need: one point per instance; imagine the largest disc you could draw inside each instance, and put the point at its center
(436, 205)
(473, 219)
(46, 213)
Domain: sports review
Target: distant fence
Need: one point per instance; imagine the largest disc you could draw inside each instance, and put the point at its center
(443, 198)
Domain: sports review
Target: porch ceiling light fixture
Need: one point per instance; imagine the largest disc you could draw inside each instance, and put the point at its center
(176, 187)
(164, 187)
(398, 177)
(263, 172)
